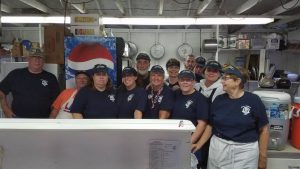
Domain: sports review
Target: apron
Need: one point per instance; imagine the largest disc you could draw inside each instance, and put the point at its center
(64, 112)
(225, 154)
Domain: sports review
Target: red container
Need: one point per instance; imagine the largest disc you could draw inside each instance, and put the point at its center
(295, 127)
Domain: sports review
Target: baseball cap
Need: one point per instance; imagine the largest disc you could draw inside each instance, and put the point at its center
(186, 74)
(233, 71)
(81, 72)
(100, 68)
(157, 69)
(144, 56)
(173, 62)
(214, 65)
(36, 53)
(129, 71)
(200, 61)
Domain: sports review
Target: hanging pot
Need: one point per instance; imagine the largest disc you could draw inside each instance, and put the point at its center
(184, 50)
(133, 50)
(210, 45)
(157, 51)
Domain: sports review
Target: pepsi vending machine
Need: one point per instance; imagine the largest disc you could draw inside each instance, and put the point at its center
(82, 53)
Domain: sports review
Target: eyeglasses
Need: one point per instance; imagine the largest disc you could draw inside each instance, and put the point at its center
(225, 78)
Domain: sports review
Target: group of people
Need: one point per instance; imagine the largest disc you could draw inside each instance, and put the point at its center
(212, 97)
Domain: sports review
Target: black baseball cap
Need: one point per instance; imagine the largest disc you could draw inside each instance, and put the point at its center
(157, 69)
(129, 71)
(144, 56)
(200, 61)
(214, 65)
(100, 68)
(186, 74)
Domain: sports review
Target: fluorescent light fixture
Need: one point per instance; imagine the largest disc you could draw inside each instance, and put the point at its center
(233, 21)
(147, 21)
(34, 19)
(186, 21)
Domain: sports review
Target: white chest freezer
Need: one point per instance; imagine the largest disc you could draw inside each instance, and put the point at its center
(95, 144)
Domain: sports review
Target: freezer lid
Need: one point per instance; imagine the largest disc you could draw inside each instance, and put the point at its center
(109, 124)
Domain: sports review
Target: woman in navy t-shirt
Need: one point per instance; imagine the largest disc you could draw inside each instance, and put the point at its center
(190, 104)
(98, 101)
(130, 98)
(239, 126)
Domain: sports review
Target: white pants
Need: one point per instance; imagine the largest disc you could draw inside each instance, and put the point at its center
(224, 154)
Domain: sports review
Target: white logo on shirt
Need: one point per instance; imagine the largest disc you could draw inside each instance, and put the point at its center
(44, 82)
(160, 99)
(246, 109)
(112, 97)
(129, 98)
(188, 104)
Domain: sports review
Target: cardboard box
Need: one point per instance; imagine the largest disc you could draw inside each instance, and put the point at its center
(17, 50)
(54, 43)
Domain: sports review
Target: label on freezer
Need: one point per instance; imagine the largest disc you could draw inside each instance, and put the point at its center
(164, 154)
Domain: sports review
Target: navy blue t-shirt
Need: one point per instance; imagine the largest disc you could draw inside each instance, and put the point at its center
(129, 101)
(162, 101)
(94, 104)
(32, 94)
(191, 107)
(239, 119)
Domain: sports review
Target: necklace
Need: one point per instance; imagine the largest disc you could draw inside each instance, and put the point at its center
(154, 97)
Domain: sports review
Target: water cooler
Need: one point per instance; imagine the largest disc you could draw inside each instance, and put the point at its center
(278, 106)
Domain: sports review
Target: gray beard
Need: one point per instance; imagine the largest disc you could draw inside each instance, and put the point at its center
(142, 72)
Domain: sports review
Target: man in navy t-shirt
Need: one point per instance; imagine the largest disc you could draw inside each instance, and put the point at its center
(33, 90)
(160, 96)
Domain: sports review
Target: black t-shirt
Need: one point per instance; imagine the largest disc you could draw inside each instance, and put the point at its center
(129, 101)
(238, 119)
(94, 104)
(198, 77)
(143, 81)
(32, 94)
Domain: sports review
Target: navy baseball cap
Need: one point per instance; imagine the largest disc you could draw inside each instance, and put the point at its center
(100, 68)
(200, 61)
(129, 71)
(157, 69)
(233, 71)
(81, 72)
(144, 56)
(173, 62)
(214, 65)
(186, 74)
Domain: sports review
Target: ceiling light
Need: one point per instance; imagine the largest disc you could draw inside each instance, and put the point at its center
(147, 21)
(34, 19)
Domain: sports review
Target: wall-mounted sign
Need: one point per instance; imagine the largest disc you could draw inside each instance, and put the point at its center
(85, 19)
